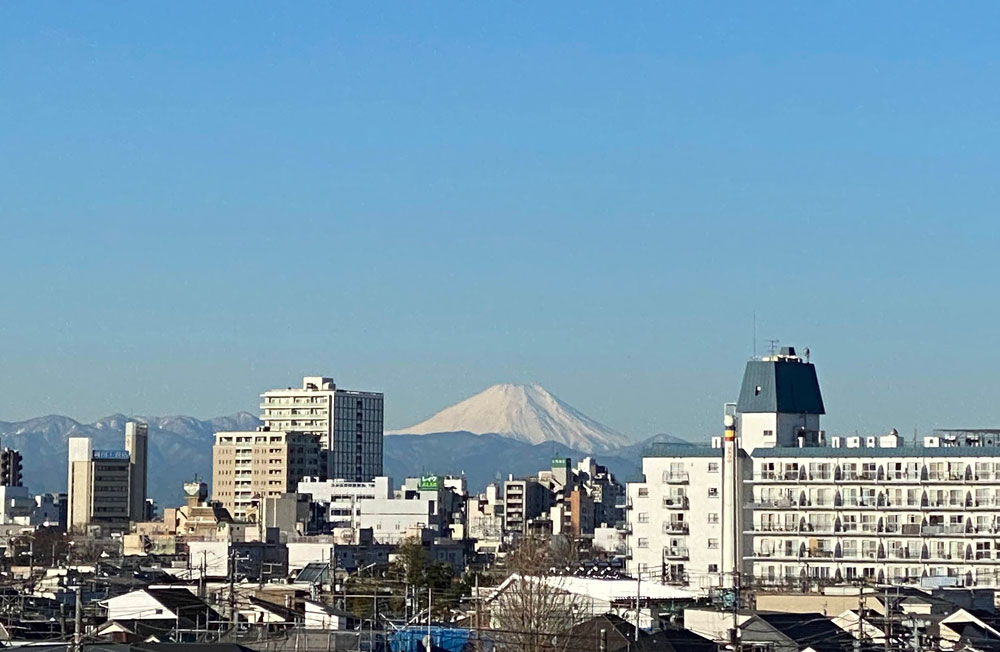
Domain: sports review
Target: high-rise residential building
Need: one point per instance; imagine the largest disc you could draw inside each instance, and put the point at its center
(11, 466)
(348, 424)
(100, 486)
(136, 443)
(250, 466)
(810, 509)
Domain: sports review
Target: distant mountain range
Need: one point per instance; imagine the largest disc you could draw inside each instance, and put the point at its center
(180, 448)
(507, 429)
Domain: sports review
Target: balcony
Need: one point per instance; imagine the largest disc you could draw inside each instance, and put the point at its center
(675, 502)
(779, 503)
(675, 528)
(938, 530)
(675, 552)
(675, 477)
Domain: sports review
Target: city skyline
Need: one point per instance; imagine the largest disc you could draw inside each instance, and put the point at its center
(428, 204)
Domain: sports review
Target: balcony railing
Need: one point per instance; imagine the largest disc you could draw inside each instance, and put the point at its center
(675, 552)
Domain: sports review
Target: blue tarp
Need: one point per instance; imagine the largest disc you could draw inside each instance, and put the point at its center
(443, 639)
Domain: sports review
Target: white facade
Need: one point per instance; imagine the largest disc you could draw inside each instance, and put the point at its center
(389, 520)
(342, 498)
(674, 533)
(16, 506)
(301, 553)
(348, 423)
(917, 515)
(141, 605)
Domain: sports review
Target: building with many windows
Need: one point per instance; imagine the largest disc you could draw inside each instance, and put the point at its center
(926, 514)
(811, 509)
(249, 467)
(347, 423)
(102, 483)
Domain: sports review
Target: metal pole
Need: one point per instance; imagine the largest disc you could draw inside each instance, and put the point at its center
(478, 623)
(78, 622)
(603, 645)
(638, 593)
(430, 601)
(232, 587)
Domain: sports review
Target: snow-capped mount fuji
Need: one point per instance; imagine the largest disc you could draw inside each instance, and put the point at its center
(528, 413)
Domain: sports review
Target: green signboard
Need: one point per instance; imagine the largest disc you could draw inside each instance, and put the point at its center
(559, 462)
(429, 483)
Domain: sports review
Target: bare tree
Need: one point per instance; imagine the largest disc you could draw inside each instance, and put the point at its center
(532, 611)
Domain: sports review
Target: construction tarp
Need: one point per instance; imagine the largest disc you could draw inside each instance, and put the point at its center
(442, 639)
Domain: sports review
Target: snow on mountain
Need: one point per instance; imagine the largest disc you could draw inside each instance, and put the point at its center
(529, 413)
(180, 447)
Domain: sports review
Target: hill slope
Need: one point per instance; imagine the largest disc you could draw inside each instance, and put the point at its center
(528, 413)
(180, 447)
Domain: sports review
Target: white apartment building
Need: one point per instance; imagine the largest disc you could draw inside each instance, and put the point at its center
(927, 515)
(674, 531)
(341, 499)
(348, 423)
(813, 509)
(432, 502)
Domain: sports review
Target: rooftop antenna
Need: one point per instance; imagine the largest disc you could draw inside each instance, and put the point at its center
(807, 354)
(755, 334)
(773, 345)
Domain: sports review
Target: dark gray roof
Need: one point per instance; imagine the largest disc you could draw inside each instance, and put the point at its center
(810, 630)
(786, 386)
(314, 573)
(670, 449)
(898, 452)
(184, 603)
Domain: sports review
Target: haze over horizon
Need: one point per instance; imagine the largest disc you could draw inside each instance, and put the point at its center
(429, 203)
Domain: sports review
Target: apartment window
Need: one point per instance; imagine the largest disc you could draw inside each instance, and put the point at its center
(768, 433)
(713, 467)
(713, 517)
(713, 544)
(643, 543)
(644, 517)
(713, 568)
(713, 492)
(643, 492)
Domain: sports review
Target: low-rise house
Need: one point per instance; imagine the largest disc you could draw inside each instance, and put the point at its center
(797, 632)
(276, 616)
(319, 615)
(173, 608)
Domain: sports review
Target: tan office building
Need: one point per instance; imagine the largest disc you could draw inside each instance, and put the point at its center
(107, 488)
(249, 466)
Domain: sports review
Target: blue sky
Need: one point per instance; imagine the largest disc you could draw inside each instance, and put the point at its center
(200, 202)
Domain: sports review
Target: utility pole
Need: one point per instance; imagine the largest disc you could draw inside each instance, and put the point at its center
(638, 595)
(232, 587)
(201, 576)
(478, 623)
(887, 645)
(78, 622)
(430, 601)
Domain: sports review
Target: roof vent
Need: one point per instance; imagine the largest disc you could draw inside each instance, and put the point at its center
(787, 351)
